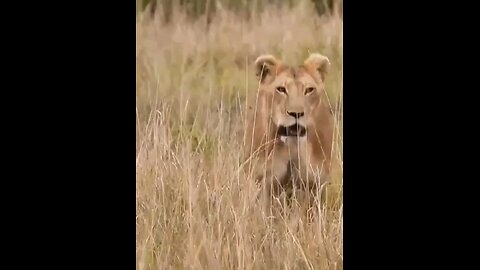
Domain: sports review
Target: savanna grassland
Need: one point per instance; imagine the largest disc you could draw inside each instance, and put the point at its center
(195, 207)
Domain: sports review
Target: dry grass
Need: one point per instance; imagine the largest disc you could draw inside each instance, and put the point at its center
(195, 207)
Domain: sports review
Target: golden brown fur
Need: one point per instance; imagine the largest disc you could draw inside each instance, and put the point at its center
(285, 93)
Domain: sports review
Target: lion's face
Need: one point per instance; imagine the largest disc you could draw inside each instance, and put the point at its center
(295, 97)
(293, 93)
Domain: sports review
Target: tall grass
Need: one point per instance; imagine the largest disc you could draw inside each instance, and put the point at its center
(196, 209)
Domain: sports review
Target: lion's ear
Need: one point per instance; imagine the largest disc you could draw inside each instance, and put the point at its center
(265, 65)
(318, 62)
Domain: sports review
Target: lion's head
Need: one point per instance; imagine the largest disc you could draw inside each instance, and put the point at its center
(291, 101)
(296, 92)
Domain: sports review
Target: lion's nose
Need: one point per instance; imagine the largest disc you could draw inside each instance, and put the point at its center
(296, 114)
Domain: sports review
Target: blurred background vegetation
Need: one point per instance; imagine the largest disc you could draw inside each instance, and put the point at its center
(198, 8)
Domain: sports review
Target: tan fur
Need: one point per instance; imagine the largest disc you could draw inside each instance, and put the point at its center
(279, 163)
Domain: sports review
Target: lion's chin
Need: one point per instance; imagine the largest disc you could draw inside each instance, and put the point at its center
(294, 130)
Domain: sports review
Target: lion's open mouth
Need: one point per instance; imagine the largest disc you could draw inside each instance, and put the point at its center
(293, 130)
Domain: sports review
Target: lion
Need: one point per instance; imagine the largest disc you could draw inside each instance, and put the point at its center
(289, 129)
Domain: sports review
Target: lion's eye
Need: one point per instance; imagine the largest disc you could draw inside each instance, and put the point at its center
(282, 89)
(309, 90)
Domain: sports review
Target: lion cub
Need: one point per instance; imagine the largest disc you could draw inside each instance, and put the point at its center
(289, 129)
